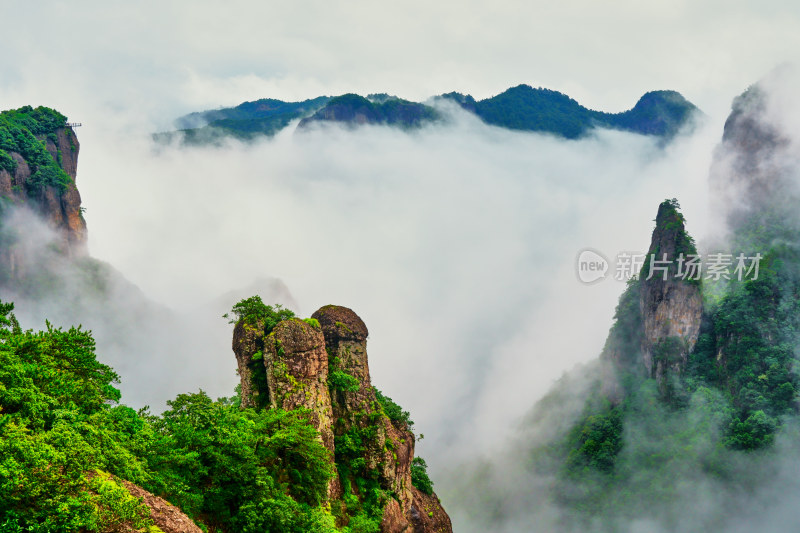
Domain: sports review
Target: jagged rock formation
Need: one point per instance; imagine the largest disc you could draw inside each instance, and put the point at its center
(637, 447)
(346, 342)
(671, 307)
(660, 314)
(297, 372)
(322, 365)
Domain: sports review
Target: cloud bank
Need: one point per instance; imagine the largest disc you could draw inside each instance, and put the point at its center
(455, 243)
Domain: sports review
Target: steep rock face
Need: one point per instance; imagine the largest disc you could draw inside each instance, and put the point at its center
(285, 368)
(248, 340)
(392, 449)
(748, 174)
(346, 342)
(325, 369)
(297, 372)
(671, 307)
(754, 179)
(659, 316)
(62, 209)
(59, 207)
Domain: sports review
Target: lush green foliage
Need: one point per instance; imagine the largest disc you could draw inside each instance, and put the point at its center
(240, 470)
(625, 337)
(419, 475)
(392, 410)
(675, 226)
(757, 327)
(253, 309)
(381, 110)
(364, 498)
(313, 322)
(253, 312)
(342, 381)
(596, 441)
(56, 427)
(64, 445)
(526, 108)
(20, 131)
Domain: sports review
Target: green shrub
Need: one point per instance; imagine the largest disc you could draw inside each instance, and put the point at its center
(7, 162)
(253, 309)
(392, 410)
(48, 176)
(342, 381)
(419, 476)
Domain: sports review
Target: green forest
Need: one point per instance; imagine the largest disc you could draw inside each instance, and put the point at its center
(68, 447)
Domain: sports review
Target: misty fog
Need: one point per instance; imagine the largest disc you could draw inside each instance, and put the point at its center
(455, 243)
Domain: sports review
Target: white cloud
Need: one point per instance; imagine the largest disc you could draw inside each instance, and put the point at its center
(455, 244)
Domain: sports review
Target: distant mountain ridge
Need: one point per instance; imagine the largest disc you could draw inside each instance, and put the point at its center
(660, 113)
(524, 108)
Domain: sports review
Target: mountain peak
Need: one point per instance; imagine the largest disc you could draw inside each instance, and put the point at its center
(659, 315)
(671, 303)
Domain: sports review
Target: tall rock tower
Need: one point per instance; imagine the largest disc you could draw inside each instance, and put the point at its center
(659, 315)
(321, 364)
(670, 301)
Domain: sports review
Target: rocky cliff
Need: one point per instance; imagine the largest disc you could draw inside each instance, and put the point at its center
(321, 364)
(38, 169)
(660, 314)
(670, 301)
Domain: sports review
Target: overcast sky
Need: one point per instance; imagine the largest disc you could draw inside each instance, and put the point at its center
(167, 57)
